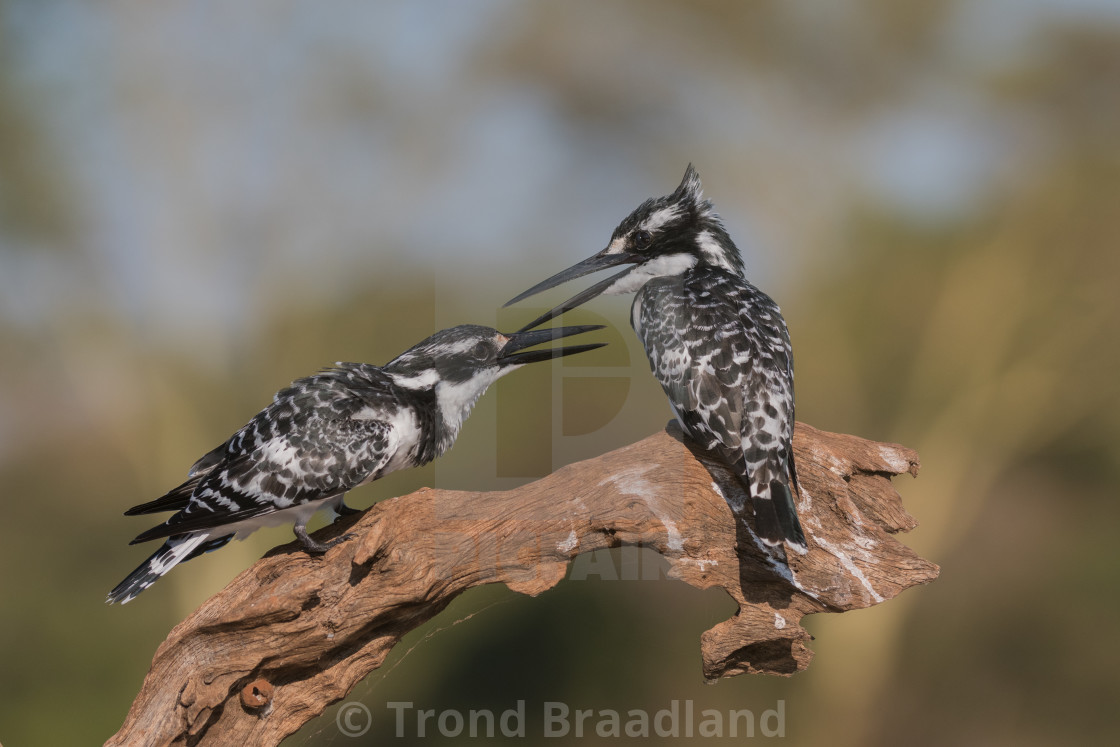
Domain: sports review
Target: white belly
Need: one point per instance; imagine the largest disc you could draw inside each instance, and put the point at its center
(287, 516)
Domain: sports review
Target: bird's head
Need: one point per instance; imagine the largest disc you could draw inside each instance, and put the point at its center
(460, 363)
(664, 236)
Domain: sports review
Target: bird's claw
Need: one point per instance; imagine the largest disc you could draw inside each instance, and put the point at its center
(315, 546)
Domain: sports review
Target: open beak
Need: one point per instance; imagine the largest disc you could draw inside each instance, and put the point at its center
(518, 341)
(600, 261)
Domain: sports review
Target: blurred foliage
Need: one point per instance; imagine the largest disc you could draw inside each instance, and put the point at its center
(985, 338)
(985, 349)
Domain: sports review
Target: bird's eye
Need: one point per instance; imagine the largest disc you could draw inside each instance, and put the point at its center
(641, 239)
(481, 351)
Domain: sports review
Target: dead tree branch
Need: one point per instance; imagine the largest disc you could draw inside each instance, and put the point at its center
(294, 633)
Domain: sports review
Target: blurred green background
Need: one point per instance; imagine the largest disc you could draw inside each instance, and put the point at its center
(200, 202)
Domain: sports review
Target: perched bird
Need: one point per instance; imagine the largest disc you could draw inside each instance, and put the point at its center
(329, 433)
(718, 345)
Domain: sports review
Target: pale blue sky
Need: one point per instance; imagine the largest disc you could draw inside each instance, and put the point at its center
(213, 150)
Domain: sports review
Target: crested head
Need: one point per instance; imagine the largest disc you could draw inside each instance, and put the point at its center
(664, 237)
(676, 232)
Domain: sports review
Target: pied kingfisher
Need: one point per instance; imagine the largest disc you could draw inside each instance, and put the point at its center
(331, 432)
(718, 345)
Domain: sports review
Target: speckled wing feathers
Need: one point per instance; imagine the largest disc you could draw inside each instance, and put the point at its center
(320, 437)
(720, 349)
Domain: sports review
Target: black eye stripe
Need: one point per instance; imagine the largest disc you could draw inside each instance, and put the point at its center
(642, 238)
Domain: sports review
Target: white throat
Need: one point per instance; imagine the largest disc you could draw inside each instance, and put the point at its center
(666, 266)
(455, 400)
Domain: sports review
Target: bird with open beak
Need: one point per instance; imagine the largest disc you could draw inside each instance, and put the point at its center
(329, 433)
(718, 345)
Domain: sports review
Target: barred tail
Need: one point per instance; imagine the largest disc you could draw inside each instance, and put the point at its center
(175, 550)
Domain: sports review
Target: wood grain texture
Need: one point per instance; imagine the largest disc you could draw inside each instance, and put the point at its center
(294, 633)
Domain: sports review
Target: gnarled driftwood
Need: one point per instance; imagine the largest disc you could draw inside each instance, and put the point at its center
(294, 633)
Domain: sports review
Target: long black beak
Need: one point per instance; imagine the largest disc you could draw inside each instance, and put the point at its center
(600, 261)
(522, 339)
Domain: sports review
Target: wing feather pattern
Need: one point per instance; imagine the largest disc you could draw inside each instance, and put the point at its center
(319, 438)
(720, 349)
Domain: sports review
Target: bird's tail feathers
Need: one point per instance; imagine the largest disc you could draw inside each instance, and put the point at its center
(173, 500)
(776, 516)
(175, 550)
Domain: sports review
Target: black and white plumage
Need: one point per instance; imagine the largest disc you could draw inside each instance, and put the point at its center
(718, 345)
(329, 433)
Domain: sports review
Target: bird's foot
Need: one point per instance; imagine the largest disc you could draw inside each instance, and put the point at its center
(344, 510)
(314, 546)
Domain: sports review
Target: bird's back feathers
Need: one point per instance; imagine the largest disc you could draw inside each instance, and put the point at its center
(320, 437)
(720, 349)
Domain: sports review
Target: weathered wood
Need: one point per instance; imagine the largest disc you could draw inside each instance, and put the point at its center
(294, 633)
